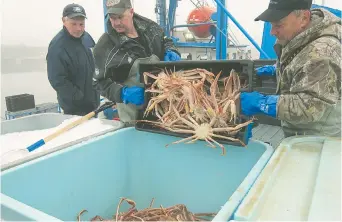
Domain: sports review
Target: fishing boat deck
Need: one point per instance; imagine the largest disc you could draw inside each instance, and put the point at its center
(268, 134)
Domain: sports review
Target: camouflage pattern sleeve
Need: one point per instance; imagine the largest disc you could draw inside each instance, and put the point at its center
(315, 87)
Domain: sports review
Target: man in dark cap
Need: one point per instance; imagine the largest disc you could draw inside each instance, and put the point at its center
(70, 64)
(308, 97)
(131, 38)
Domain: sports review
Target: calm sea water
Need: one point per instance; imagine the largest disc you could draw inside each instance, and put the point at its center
(35, 83)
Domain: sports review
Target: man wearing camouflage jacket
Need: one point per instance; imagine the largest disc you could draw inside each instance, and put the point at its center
(131, 39)
(308, 100)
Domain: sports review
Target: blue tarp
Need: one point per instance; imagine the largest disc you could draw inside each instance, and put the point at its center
(268, 40)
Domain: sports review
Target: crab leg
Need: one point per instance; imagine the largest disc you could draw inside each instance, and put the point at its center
(146, 75)
(192, 120)
(227, 138)
(225, 107)
(210, 143)
(220, 145)
(191, 77)
(157, 111)
(169, 109)
(233, 97)
(231, 104)
(239, 126)
(182, 140)
(213, 89)
(236, 81)
(233, 112)
(184, 120)
(154, 91)
(228, 88)
(194, 140)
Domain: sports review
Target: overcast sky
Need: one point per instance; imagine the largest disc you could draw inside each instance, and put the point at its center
(35, 22)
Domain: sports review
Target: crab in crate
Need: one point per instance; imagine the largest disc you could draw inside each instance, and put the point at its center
(190, 102)
(200, 131)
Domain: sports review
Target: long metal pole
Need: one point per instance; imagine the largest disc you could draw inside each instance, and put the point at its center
(223, 28)
(162, 5)
(171, 15)
(218, 34)
(218, 2)
(105, 17)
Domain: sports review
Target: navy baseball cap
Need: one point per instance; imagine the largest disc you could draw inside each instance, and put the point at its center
(278, 9)
(74, 10)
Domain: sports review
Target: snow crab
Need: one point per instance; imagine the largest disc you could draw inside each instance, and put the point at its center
(191, 102)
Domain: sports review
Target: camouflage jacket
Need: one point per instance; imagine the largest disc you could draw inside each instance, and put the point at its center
(309, 78)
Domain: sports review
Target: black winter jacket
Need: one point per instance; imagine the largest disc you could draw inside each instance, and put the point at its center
(70, 67)
(115, 53)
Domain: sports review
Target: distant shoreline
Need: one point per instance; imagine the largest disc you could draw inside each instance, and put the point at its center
(9, 66)
(21, 58)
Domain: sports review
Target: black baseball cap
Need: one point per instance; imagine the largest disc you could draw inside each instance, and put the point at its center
(117, 6)
(278, 9)
(74, 10)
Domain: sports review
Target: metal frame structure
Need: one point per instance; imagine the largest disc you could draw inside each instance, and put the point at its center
(220, 18)
(268, 40)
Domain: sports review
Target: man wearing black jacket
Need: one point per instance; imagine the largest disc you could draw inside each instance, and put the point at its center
(131, 38)
(70, 64)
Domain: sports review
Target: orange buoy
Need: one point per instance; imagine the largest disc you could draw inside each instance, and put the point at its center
(200, 15)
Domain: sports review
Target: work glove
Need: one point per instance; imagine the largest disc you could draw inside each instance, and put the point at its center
(134, 95)
(253, 103)
(268, 70)
(249, 132)
(171, 56)
(110, 112)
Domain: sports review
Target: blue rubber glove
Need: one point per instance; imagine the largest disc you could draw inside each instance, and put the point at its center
(109, 113)
(134, 95)
(268, 70)
(255, 103)
(249, 132)
(171, 56)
